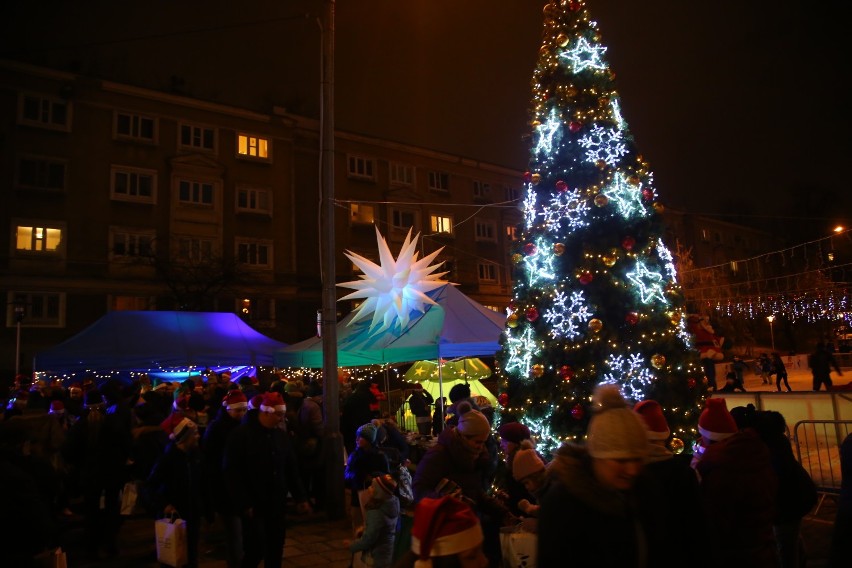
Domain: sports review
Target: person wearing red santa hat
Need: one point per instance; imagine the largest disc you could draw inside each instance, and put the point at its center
(234, 407)
(446, 533)
(260, 470)
(738, 490)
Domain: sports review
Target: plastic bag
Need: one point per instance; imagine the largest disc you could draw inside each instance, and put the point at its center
(171, 541)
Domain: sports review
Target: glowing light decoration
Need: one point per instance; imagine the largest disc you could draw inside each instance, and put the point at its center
(569, 209)
(540, 264)
(521, 350)
(545, 439)
(616, 114)
(566, 313)
(649, 284)
(630, 373)
(584, 55)
(549, 136)
(668, 260)
(394, 289)
(603, 144)
(626, 196)
(530, 212)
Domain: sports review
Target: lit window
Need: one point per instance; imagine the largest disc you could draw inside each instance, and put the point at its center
(439, 181)
(196, 192)
(135, 126)
(441, 224)
(257, 310)
(41, 173)
(487, 272)
(46, 112)
(197, 137)
(254, 200)
(252, 146)
(401, 174)
(255, 253)
(132, 184)
(362, 168)
(512, 232)
(485, 230)
(360, 213)
(38, 239)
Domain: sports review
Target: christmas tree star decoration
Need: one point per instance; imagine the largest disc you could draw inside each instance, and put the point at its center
(395, 288)
(549, 134)
(540, 264)
(630, 373)
(521, 350)
(566, 313)
(627, 197)
(603, 144)
(648, 283)
(568, 209)
(584, 56)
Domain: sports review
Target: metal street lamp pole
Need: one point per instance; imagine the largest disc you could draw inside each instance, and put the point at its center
(20, 309)
(771, 319)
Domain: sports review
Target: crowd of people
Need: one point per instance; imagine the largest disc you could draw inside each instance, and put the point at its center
(241, 453)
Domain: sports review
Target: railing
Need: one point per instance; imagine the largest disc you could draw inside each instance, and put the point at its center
(817, 445)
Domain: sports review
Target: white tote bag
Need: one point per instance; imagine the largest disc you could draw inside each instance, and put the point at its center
(171, 541)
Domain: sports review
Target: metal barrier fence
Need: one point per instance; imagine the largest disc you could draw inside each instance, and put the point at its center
(818, 450)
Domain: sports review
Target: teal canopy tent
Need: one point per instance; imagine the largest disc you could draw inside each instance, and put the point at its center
(455, 326)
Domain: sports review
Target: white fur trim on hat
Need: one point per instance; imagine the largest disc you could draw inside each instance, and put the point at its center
(450, 544)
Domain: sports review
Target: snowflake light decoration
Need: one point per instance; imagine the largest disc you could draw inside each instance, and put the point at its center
(549, 135)
(521, 350)
(603, 144)
(394, 289)
(568, 208)
(626, 196)
(585, 55)
(540, 264)
(630, 373)
(648, 283)
(566, 313)
(668, 260)
(529, 208)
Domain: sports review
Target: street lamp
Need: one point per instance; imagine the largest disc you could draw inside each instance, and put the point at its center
(771, 319)
(20, 309)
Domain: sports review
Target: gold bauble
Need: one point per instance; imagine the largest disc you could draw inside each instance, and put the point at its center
(562, 40)
(535, 123)
(595, 324)
(537, 370)
(658, 360)
(676, 445)
(609, 259)
(675, 317)
(601, 200)
(512, 320)
(603, 101)
(543, 50)
(634, 180)
(558, 249)
(658, 207)
(600, 164)
(517, 258)
(536, 179)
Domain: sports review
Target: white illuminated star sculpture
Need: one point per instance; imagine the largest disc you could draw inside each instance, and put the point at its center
(648, 283)
(394, 289)
(540, 264)
(626, 196)
(521, 350)
(549, 135)
(585, 55)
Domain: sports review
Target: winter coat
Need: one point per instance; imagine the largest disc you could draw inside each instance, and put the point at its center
(584, 523)
(260, 468)
(448, 458)
(360, 467)
(176, 480)
(379, 531)
(213, 446)
(738, 492)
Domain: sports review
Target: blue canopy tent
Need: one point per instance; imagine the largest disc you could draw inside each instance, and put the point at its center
(455, 327)
(153, 341)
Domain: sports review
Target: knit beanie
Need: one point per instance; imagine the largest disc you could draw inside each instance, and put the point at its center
(472, 422)
(443, 527)
(526, 461)
(716, 423)
(383, 486)
(651, 414)
(514, 432)
(367, 431)
(615, 431)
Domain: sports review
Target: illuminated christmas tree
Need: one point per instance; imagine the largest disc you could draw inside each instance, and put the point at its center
(596, 296)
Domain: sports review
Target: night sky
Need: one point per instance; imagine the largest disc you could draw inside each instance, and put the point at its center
(739, 107)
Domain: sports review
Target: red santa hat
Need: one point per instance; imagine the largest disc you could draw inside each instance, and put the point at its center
(254, 402)
(181, 402)
(235, 400)
(651, 414)
(716, 423)
(443, 527)
(272, 402)
(56, 407)
(182, 430)
(75, 388)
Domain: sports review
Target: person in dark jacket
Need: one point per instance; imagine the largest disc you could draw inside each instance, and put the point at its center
(260, 469)
(356, 411)
(234, 407)
(821, 361)
(363, 464)
(419, 402)
(176, 484)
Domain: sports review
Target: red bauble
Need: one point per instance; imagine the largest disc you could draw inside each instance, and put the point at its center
(647, 194)
(575, 126)
(530, 249)
(566, 372)
(532, 313)
(586, 278)
(628, 242)
(503, 399)
(632, 318)
(574, 6)
(691, 383)
(577, 412)
(527, 177)
(561, 186)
